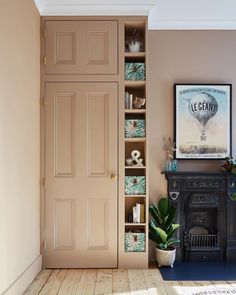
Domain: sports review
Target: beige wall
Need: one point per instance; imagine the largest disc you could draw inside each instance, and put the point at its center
(174, 56)
(19, 139)
(189, 57)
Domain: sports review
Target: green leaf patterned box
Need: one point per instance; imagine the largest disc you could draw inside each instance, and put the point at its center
(134, 242)
(135, 71)
(135, 185)
(135, 128)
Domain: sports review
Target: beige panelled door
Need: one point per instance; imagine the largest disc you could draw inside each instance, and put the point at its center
(81, 161)
(81, 47)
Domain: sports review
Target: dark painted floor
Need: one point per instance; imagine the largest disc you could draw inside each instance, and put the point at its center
(197, 271)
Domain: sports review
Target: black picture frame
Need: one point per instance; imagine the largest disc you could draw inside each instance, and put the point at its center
(198, 96)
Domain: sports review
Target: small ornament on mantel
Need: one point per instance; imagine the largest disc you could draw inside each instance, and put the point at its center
(169, 148)
(135, 159)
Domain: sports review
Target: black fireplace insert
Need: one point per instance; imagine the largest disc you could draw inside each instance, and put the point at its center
(207, 213)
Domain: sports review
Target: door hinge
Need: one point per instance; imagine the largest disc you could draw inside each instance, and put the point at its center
(44, 244)
(44, 181)
(44, 60)
(44, 33)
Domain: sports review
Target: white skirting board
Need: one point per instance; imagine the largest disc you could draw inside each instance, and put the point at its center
(26, 278)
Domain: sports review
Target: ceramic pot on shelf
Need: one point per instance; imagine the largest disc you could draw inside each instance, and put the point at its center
(134, 46)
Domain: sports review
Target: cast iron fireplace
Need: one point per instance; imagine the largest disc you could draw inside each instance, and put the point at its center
(207, 213)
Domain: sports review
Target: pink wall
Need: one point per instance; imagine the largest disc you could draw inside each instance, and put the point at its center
(189, 57)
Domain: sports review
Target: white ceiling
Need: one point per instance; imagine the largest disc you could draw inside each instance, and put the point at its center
(193, 14)
(163, 14)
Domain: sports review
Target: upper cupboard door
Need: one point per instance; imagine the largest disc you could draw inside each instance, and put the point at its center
(81, 47)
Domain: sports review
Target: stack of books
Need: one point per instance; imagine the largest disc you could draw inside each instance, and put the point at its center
(128, 100)
(139, 213)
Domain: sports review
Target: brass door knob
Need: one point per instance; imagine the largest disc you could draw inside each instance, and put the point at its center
(113, 177)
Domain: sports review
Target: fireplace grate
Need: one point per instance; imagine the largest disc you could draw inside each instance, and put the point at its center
(202, 242)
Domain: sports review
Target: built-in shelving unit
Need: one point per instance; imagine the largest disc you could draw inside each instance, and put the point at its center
(136, 88)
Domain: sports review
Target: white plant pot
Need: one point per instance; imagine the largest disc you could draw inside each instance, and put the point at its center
(165, 257)
(134, 46)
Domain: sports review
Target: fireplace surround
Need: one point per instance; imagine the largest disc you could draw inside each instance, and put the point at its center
(207, 212)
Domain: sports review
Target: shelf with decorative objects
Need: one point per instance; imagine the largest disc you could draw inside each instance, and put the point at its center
(135, 195)
(131, 111)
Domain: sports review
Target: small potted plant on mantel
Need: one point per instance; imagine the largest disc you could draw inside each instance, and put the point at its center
(161, 231)
(229, 165)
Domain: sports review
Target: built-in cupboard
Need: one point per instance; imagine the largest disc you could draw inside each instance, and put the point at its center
(84, 149)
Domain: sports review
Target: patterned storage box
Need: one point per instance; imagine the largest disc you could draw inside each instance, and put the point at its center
(135, 185)
(135, 71)
(134, 242)
(135, 128)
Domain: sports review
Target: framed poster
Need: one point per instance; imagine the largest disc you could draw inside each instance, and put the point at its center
(203, 121)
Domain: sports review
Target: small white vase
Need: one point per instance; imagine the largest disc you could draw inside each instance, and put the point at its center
(165, 257)
(134, 46)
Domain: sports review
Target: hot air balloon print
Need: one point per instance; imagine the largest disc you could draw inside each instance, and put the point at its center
(203, 121)
(203, 106)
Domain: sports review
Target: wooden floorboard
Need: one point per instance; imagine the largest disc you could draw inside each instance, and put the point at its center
(137, 283)
(71, 282)
(173, 288)
(154, 282)
(119, 282)
(54, 282)
(38, 282)
(104, 282)
(87, 282)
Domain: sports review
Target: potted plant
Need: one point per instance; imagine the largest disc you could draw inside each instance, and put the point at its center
(161, 231)
(134, 42)
(229, 165)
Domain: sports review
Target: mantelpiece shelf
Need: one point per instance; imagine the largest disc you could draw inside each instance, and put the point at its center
(135, 111)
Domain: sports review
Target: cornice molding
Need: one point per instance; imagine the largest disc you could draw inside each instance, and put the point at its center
(90, 8)
(191, 24)
(162, 14)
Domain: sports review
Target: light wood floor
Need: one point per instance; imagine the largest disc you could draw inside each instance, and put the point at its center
(119, 282)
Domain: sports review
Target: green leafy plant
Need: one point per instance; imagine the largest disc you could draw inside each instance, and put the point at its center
(162, 226)
(229, 165)
(134, 37)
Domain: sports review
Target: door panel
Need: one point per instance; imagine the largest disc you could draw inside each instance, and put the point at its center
(64, 232)
(97, 110)
(81, 154)
(81, 47)
(97, 224)
(63, 129)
